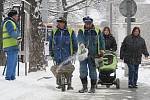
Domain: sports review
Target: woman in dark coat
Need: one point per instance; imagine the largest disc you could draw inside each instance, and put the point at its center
(110, 42)
(131, 52)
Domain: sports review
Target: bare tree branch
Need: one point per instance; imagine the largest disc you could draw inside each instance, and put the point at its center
(68, 10)
(78, 9)
(75, 4)
(81, 7)
(54, 11)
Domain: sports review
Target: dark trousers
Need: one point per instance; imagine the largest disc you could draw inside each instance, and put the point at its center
(133, 74)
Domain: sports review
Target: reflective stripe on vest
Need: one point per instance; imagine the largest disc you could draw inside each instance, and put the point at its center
(98, 43)
(71, 43)
(7, 40)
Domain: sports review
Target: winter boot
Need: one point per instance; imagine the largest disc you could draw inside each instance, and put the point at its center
(93, 86)
(84, 83)
(92, 89)
(84, 89)
(69, 87)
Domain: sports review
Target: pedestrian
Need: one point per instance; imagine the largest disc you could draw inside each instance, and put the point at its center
(132, 48)
(63, 44)
(11, 36)
(93, 40)
(110, 42)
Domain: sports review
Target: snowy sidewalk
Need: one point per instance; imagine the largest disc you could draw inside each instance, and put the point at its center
(34, 87)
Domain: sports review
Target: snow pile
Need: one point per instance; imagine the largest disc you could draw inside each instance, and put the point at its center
(41, 85)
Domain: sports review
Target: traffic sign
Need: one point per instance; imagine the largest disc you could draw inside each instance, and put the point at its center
(128, 7)
(131, 19)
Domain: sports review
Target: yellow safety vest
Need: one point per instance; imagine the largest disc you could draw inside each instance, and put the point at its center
(70, 30)
(98, 43)
(8, 41)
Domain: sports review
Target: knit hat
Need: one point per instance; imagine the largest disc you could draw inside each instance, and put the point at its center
(61, 19)
(12, 13)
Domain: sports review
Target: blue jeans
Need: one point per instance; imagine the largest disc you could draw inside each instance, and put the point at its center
(12, 58)
(133, 74)
(89, 63)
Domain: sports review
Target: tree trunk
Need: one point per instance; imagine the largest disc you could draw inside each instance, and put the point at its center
(2, 54)
(65, 15)
(58, 8)
(36, 46)
(64, 4)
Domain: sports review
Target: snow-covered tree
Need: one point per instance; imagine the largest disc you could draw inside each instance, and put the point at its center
(71, 9)
(2, 55)
(59, 8)
(36, 46)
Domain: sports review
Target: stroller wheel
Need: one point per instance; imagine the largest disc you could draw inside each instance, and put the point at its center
(108, 86)
(117, 83)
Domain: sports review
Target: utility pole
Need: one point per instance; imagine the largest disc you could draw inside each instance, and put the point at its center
(128, 9)
(129, 6)
(111, 4)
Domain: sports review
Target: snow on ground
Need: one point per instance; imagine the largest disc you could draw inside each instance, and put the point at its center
(35, 87)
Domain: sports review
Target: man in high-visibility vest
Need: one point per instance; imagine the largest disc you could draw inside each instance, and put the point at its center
(63, 44)
(11, 36)
(91, 38)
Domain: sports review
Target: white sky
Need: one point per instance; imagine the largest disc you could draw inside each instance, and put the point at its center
(147, 1)
(93, 13)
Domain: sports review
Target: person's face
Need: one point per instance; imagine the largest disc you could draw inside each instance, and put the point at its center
(136, 32)
(88, 25)
(16, 18)
(61, 25)
(106, 32)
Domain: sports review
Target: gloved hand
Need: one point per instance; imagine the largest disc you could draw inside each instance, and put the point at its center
(101, 53)
(82, 52)
(51, 53)
(81, 48)
(19, 39)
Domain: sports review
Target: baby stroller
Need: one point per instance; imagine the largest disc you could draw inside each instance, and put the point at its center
(107, 68)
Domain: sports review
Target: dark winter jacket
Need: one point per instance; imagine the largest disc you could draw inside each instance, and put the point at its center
(61, 41)
(110, 42)
(90, 39)
(132, 49)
